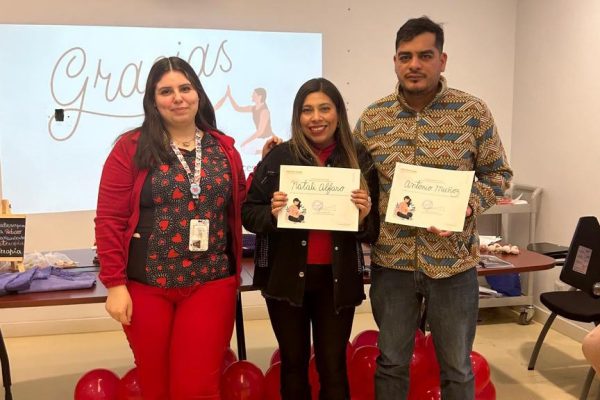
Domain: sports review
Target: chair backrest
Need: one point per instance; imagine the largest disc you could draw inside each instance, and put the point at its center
(582, 265)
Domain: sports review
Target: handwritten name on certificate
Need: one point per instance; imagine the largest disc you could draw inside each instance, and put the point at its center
(424, 197)
(319, 198)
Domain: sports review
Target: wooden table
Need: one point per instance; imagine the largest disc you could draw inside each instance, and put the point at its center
(527, 261)
(524, 263)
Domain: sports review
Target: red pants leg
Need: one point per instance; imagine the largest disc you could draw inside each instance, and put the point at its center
(149, 336)
(202, 329)
(179, 337)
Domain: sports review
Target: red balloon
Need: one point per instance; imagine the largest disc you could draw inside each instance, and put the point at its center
(424, 369)
(97, 384)
(421, 368)
(242, 380)
(362, 372)
(313, 378)
(423, 375)
(365, 338)
(273, 382)
(433, 393)
(432, 357)
(349, 352)
(481, 370)
(488, 392)
(228, 359)
(275, 357)
(129, 386)
(419, 339)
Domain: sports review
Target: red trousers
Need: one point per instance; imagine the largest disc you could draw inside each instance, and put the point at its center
(179, 336)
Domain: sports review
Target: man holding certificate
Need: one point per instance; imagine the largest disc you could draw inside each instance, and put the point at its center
(309, 221)
(421, 251)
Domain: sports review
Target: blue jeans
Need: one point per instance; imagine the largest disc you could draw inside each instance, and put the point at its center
(452, 307)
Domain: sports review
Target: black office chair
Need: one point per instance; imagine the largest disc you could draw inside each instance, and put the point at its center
(582, 271)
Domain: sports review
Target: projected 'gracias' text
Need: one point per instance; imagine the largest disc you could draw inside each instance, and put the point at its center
(71, 74)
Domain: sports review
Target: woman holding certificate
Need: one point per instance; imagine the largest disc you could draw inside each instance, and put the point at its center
(168, 231)
(312, 277)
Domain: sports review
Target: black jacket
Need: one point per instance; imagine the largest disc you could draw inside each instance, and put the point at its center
(282, 275)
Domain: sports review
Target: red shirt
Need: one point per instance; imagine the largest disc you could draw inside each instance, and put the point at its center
(319, 242)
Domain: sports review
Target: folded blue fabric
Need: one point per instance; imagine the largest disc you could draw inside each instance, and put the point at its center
(45, 280)
(6, 278)
(21, 281)
(51, 278)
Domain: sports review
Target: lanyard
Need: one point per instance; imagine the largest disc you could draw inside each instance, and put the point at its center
(195, 177)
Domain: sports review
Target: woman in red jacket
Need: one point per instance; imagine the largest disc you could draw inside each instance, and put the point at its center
(168, 232)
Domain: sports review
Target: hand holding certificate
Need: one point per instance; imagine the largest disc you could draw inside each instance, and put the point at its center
(425, 197)
(318, 198)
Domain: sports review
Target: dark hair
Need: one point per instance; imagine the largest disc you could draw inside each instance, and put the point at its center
(409, 199)
(262, 93)
(297, 200)
(416, 26)
(343, 134)
(153, 146)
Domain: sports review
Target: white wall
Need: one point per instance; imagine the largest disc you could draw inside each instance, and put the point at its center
(358, 45)
(555, 140)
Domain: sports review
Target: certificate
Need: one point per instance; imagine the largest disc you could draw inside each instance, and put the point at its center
(424, 197)
(319, 198)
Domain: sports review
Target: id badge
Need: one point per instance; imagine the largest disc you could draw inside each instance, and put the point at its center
(199, 234)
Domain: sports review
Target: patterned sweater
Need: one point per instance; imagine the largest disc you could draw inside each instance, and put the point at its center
(455, 131)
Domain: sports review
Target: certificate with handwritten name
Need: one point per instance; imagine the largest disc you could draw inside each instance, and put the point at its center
(424, 197)
(319, 198)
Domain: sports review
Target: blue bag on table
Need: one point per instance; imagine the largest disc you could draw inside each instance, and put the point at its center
(507, 284)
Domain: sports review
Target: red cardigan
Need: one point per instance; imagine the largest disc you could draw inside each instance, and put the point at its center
(118, 209)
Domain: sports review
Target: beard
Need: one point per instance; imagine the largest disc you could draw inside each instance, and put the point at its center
(424, 87)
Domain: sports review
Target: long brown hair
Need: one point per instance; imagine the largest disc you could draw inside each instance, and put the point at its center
(343, 134)
(153, 146)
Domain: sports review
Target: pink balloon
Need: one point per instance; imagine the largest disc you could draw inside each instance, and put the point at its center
(365, 338)
(273, 382)
(362, 372)
(488, 392)
(481, 371)
(228, 358)
(129, 386)
(242, 380)
(275, 357)
(97, 384)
